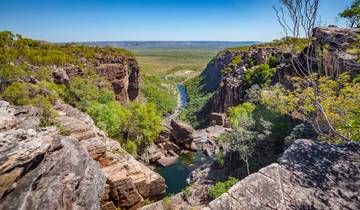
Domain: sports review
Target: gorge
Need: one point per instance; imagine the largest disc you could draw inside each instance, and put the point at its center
(182, 125)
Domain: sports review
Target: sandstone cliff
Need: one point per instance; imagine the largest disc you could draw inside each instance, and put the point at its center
(85, 170)
(123, 74)
(40, 169)
(334, 54)
(310, 175)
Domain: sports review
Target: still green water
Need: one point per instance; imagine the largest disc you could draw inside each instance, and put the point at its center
(175, 176)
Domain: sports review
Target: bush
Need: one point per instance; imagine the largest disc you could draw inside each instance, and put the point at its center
(260, 75)
(222, 187)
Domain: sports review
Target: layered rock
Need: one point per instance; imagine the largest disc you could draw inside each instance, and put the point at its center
(333, 54)
(310, 175)
(123, 74)
(40, 169)
(129, 182)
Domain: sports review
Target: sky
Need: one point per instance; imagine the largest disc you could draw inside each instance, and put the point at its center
(150, 20)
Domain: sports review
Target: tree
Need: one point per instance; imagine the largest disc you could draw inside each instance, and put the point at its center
(298, 19)
(246, 132)
(352, 14)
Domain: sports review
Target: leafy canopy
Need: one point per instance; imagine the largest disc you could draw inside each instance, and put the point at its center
(352, 14)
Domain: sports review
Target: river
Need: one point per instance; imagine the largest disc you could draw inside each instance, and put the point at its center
(175, 176)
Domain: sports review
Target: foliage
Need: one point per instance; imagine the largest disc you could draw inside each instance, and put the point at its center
(236, 60)
(284, 43)
(260, 75)
(167, 203)
(339, 100)
(301, 131)
(196, 111)
(352, 14)
(131, 148)
(247, 130)
(239, 113)
(82, 90)
(272, 61)
(16, 48)
(220, 158)
(222, 187)
(158, 92)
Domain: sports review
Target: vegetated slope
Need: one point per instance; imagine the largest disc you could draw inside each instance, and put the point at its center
(92, 79)
(103, 82)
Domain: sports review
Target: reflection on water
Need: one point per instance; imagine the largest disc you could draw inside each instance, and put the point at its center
(175, 176)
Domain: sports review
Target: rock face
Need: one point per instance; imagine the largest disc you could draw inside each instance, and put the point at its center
(336, 44)
(310, 175)
(231, 89)
(40, 169)
(128, 181)
(333, 53)
(123, 74)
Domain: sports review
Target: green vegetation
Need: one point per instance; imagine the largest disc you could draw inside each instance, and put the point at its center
(298, 44)
(160, 92)
(248, 128)
(352, 14)
(165, 61)
(16, 48)
(195, 111)
(260, 75)
(134, 126)
(338, 99)
(222, 187)
(163, 69)
(27, 66)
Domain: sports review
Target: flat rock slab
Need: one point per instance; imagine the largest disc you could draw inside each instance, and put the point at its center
(311, 175)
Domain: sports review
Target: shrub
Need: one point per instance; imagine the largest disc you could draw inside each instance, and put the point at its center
(222, 187)
(260, 75)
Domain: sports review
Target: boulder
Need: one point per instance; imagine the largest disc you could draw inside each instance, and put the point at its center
(218, 119)
(167, 161)
(41, 170)
(60, 76)
(168, 145)
(181, 132)
(310, 175)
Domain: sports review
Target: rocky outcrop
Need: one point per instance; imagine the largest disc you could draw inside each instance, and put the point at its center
(310, 175)
(40, 169)
(337, 46)
(334, 54)
(128, 181)
(231, 89)
(182, 133)
(123, 74)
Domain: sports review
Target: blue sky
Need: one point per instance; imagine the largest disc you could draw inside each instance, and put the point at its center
(134, 20)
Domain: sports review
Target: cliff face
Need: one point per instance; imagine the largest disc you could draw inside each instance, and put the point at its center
(333, 56)
(85, 170)
(310, 175)
(123, 74)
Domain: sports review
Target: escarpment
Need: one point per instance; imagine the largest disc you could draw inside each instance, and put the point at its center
(84, 170)
(225, 74)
